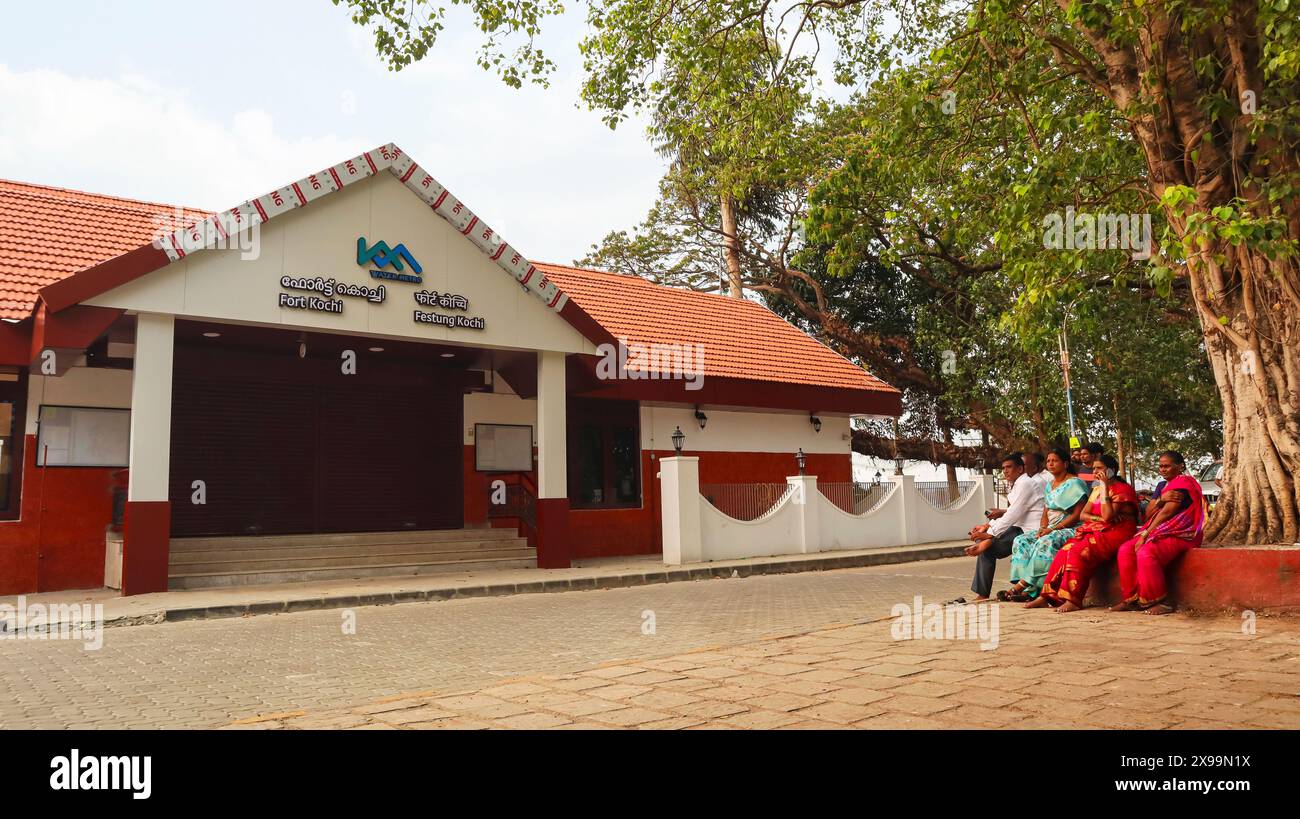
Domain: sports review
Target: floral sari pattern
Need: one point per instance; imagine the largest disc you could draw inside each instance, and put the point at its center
(1032, 556)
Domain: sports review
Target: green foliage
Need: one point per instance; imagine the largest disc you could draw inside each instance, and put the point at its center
(927, 195)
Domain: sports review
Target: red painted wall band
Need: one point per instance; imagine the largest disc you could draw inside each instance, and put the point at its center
(146, 545)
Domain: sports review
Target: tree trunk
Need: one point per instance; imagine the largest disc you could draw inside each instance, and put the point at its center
(1256, 362)
(1036, 410)
(1120, 451)
(950, 469)
(731, 247)
(1249, 304)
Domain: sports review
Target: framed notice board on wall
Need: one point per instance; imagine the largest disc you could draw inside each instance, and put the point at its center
(83, 436)
(503, 447)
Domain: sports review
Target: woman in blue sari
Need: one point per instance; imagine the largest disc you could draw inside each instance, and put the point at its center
(1032, 552)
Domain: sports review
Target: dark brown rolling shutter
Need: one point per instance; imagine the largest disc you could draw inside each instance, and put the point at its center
(386, 460)
(254, 447)
(295, 447)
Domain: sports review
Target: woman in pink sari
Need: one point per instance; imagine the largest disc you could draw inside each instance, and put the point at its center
(1109, 520)
(1176, 526)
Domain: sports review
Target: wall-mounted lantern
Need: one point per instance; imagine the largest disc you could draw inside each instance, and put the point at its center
(701, 417)
(816, 422)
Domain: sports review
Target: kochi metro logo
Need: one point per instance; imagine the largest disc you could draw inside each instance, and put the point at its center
(381, 255)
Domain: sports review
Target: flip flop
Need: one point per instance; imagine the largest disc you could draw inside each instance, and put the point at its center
(956, 602)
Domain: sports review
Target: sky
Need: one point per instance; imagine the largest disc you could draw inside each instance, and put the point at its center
(182, 104)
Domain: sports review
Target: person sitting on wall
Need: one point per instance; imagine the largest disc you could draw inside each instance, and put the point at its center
(1033, 469)
(1033, 551)
(993, 539)
(1088, 463)
(1176, 525)
(1076, 458)
(1109, 519)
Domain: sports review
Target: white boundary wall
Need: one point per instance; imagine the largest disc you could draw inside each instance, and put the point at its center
(804, 521)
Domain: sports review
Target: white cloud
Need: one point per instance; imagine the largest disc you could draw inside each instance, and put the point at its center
(132, 137)
(543, 172)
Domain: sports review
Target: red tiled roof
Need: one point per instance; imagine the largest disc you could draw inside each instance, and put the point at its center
(47, 234)
(740, 338)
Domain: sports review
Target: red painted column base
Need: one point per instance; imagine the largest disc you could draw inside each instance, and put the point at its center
(145, 547)
(554, 548)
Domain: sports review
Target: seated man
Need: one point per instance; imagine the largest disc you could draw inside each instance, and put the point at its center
(993, 540)
(1088, 455)
(1033, 469)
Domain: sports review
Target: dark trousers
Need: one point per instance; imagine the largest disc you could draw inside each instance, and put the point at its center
(987, 563)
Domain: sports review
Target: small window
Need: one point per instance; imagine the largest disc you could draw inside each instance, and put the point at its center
(83, 436)
(8, 441)
(604, 454)
(503, 448)
(13, 405)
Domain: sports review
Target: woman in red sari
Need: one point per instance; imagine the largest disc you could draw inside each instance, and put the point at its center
(1109, 519)
(1176, 526)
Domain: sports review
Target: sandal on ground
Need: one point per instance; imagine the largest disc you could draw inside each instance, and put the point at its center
(957, 601)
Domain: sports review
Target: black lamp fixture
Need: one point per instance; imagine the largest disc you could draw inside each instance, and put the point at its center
(701, 417)
(802, 460)
(679, 438)
(898, 465)
(816, 422)
(877, 480)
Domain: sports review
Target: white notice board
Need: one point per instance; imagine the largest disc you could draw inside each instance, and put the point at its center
(503, 447)
(83, 436)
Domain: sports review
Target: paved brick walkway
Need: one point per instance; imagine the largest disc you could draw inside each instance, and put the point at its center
(786, 649)
(1091, 670)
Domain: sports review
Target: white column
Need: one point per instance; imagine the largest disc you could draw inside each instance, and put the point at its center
(988, 496)
(679, 505)
(909, 506)
(806, 503)
(151, 408)
(552, 472)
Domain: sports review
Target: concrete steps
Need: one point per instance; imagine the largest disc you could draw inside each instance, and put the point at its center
(197, 563)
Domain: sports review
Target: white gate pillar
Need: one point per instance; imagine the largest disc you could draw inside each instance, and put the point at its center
(909, 503)
(805, 502)
(679, 505)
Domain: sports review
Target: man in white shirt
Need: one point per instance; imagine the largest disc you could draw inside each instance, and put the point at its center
(1024, 513)
(1033, 469)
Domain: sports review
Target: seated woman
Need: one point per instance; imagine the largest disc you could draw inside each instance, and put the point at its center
(1109, 519)
(1032, 552)
(1176, 525)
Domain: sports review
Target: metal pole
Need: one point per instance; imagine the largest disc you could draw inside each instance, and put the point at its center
(1064, 344)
